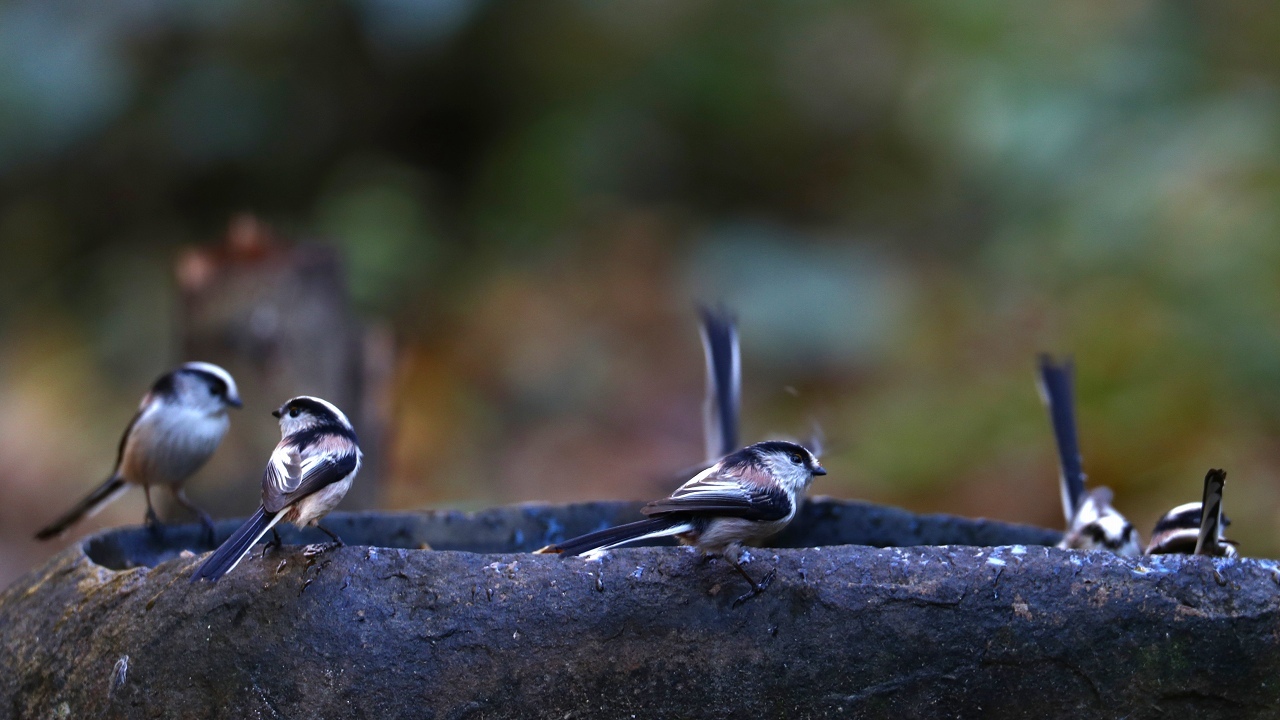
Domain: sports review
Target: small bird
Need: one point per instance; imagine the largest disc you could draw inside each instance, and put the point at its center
(724, 381)
(1189, 530)
(743, 499)
(179, 424)
(1092, 523)
(309, 473)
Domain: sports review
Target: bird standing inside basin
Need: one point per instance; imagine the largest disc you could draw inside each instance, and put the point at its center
(719, 329)
(309, 473)
(1092, 523)
(1195, 528)
(179, 424)
(746, 497)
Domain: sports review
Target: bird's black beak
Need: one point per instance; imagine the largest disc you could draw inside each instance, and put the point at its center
(275, 414)
(819, 470)
(234, 402)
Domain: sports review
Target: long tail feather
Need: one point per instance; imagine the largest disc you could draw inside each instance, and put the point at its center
(1058, 394)
(1211, 512)
(101, 496)
(724, 381)
(228, 555)
(620, 535)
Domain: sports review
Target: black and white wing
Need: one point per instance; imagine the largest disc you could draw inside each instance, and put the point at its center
(748, 496)
(291, 475)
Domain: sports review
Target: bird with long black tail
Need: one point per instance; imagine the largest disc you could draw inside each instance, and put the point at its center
(1092, 522)
(309, 473)
(748, 496)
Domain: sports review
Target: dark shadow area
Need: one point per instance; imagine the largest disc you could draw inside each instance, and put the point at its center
(524, 528)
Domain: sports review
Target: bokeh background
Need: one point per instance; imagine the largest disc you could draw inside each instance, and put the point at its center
(905, 202)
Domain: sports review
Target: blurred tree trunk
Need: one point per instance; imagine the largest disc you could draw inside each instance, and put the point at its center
(277, 315)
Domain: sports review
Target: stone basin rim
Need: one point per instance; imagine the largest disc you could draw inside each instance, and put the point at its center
(524, 527)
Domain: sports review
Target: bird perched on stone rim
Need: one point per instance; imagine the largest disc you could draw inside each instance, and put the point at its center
(744, 498)
(309, 473)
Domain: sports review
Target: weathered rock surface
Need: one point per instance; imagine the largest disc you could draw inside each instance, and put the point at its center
(112, 628)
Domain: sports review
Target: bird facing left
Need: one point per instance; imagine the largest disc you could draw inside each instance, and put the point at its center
(178, 426)
(308, 474)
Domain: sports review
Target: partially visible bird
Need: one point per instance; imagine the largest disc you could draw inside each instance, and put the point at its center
(746, 497)
(1092, 523)
(309, 473)
(1195, 528)
(723, 404)
(179, 424)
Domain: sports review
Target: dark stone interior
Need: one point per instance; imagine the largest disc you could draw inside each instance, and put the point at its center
(524, 528)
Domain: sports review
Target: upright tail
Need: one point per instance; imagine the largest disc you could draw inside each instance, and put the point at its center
(228, 555)
(620, 535)
(1211, 513)
(724, 381)
(113, 488)
(1058, 394)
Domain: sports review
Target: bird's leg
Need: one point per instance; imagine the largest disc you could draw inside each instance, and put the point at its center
(272, 544)
(336, 540)
(756, 587)
(152, 521)
(205, 519)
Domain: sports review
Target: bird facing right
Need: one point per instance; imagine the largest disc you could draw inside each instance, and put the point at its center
(748, 496)
(179, 424)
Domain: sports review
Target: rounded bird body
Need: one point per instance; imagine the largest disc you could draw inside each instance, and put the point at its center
(1189, 529)
(309, 473)
(179, 424)
(744, 499)
(1099, 526)
(748, 496)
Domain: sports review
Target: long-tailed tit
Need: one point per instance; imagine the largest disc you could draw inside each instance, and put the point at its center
(1195, 528)
(724, 381)
(743, 499)
(309, 473)
(1092, 523)
(179, 424)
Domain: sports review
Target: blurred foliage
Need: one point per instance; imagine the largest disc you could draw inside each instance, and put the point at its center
(905, 202)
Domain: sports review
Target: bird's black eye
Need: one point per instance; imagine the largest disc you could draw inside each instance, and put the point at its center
(293, 412)
(797, 458)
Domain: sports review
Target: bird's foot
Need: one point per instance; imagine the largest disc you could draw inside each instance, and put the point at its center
(317, 549)
(756, 587)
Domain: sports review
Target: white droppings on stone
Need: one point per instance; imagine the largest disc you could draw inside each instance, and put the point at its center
(993, 560)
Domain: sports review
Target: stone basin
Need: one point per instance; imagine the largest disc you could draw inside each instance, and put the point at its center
(875, 612)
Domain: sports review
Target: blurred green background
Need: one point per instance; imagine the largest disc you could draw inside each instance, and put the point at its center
(905, 202)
